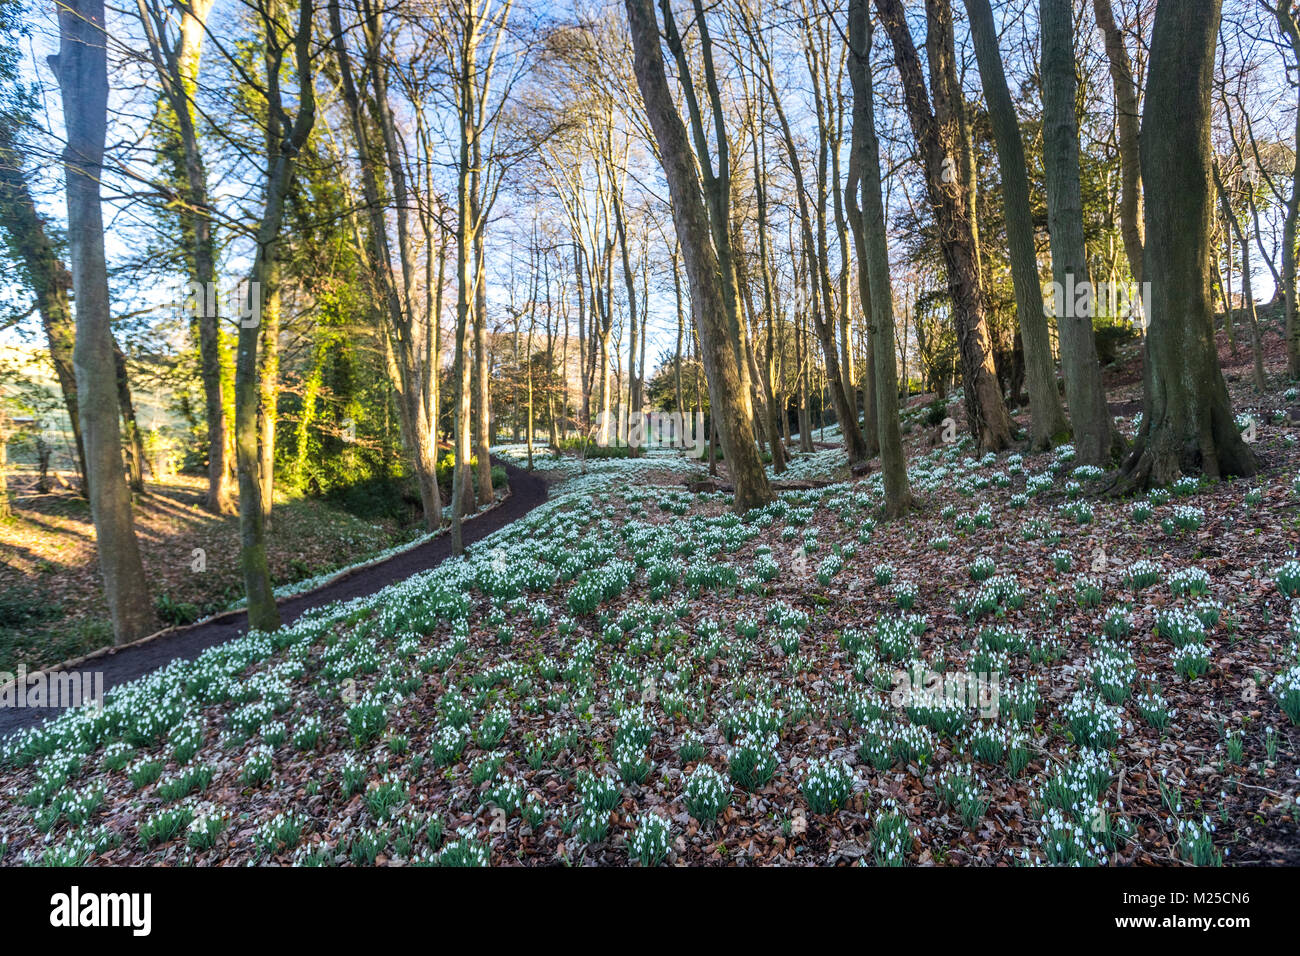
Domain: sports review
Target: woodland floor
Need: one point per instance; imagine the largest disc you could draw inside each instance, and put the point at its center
(631, 672)
(51, 594)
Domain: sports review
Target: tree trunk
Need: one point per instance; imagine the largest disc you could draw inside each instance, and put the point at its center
(130, 426)
(1256, 346)
(417, 398)
(1187, 418)
(176, 63)
(1126, 109)
(938, 140)
(47, 275)
(629, 282)
(1048, 418)
(1284, 13)
(269, 385)
(482, 383)
(263, 614)
(727, 400)
(821, 308)
(1096, 440)
(81, 67)
(6, 509)
(868, 223)
(462, 485)
(766, 369)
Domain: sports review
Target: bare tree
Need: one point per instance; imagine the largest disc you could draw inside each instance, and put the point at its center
(1096, 439)
(1187, 419)
(46, 273)
(174, 34)
(1285, 15)
(820, 305)
(285, 138)
(472, 23)
(371, 110)
(1048, 423)
(1127, 120)
(868, 222)
(81, 66)
(938, 138)
(726, 395)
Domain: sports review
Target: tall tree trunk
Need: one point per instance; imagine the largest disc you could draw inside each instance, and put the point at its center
(462, 485)
(269, 385)
(765, 420)
(130, 425)
(1187, 418)
(726, 397)
(765, 371)
(1047, 417)
(1126, 110)
(6, 508)
(681, 328)
(81, 67)
(46, 274)
(716, 186)
(1096, 440)
(938, 139)
(1286, 21)
(821, 309)
(868, 222)
(482, 383)
(416, 384)
(629, 282)
(433, 389)
(263, 614)
(176, 63)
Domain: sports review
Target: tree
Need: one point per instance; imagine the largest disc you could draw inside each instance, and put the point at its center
(704, 275)
(471, 25)
(1047, 417)
(1127, 119)
(81, 67)
(717, 186)
(45, 272)
(418, 417)
(1096, 440)
(263, 614)
(175, 59)
(868, 223)
(1284, 13)
(939, 141)
(1234, 229)
(1187, 418)
(819, 302)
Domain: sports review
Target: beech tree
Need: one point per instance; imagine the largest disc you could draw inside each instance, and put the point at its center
(1127, 127)
(81, 67)
(286, 136)
(868, 224)
(708, 305)
(939, 152)
(1188, 425)
(174, 33)
(1048, 418)
(1096, 440)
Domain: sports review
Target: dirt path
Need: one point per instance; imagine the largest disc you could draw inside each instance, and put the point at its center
(527, 491)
